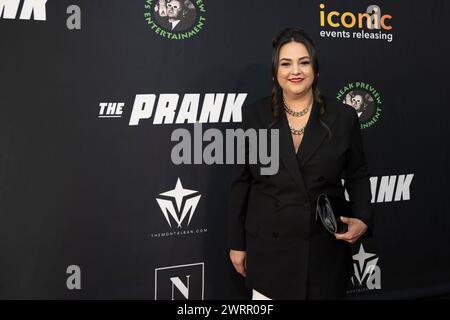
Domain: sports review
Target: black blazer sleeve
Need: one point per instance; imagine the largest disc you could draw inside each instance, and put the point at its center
(240, 188)
(357, 177)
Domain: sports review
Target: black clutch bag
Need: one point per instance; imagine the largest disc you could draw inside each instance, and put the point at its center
(330, 209)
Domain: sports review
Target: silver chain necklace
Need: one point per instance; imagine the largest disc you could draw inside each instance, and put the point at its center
(295, 113)
(296, 132)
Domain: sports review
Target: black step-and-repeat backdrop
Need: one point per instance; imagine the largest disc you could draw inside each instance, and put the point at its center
(108, 189)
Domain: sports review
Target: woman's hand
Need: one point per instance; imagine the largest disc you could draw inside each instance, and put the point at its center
(356, 228)
(238, 258)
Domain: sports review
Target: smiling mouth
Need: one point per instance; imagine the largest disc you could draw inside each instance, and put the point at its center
(296, 80)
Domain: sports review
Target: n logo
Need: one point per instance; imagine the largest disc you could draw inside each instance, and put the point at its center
(183, 282)
(367, 273)
(178, 284)
(9, 8)
(185, 204)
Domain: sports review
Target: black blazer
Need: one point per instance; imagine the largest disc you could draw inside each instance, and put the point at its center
(289, 254)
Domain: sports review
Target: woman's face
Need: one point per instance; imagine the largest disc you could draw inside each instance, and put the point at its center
(295, 72)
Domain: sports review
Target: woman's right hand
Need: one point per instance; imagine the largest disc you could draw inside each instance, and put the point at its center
(238, 258)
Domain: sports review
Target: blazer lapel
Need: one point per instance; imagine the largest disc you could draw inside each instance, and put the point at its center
(287, 152)
(315, 134)
(313, 137)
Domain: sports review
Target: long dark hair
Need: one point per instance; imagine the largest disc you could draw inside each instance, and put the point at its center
(298, 35)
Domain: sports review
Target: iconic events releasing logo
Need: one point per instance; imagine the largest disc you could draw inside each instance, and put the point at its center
(182, 282)
(371, 20)
(175, 19)
(367, 274)
(365, 99)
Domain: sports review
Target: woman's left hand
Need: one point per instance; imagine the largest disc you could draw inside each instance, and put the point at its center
(356, 228)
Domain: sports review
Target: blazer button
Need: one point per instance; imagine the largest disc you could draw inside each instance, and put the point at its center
(275, 234)
(320, 179)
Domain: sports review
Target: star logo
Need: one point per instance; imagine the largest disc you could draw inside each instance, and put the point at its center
(185, 204)
(364, 264)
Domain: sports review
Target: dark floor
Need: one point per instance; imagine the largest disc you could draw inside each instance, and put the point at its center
(441, 297)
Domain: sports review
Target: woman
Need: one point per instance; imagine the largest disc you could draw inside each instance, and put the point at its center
(275, 240)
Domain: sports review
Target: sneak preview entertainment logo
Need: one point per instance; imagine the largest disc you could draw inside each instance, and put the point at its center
(365, 99)
(175, 19)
